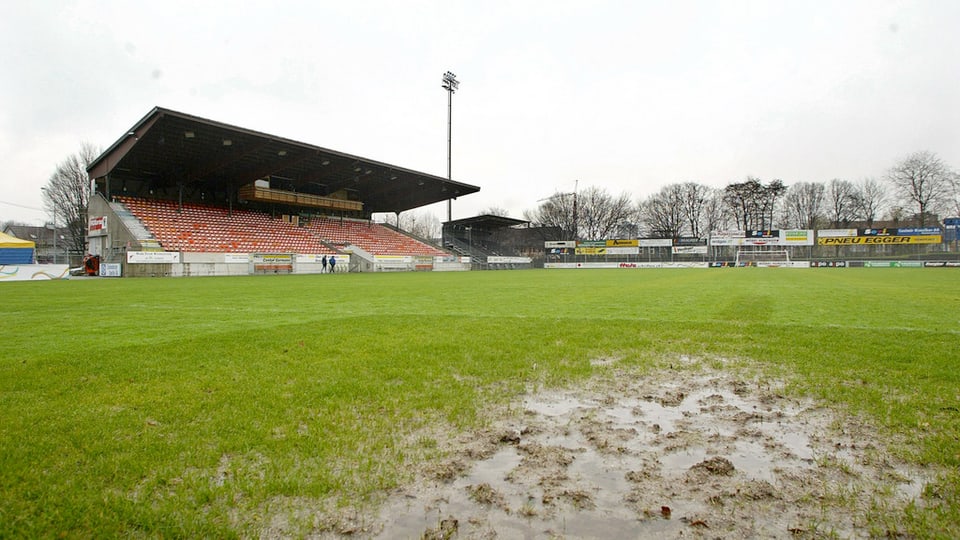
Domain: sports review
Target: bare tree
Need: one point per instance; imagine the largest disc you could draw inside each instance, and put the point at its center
(955, 198)
(923, 180)
(803, 205)
(871, 197)
(557, 211)
(841, 201)
(714, 216)
(897, 213)
(753, 204)
(591, 213)
(663, 212)
(602, 214)
(694, 199)
(682, 209)
(771, 194)
(420, 223)
(740, 198)
(494, 211)
(67, 193)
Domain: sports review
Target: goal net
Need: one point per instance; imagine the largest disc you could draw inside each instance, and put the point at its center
(757, 257)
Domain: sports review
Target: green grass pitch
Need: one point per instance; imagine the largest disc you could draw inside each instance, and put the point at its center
(119, 399)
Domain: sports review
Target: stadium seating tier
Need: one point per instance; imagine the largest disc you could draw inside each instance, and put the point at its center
(201, 228)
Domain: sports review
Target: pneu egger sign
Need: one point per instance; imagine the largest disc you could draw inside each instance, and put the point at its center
(911, 235)
(875, 240)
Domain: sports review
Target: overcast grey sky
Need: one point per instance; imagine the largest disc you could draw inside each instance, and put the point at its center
(629, 96)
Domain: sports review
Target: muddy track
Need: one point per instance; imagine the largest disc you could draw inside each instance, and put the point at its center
(682, 453)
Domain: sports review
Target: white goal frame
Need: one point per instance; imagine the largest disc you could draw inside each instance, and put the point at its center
(763, 257)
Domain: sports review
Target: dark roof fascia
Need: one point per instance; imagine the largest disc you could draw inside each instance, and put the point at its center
(487, 219)
(101, 166)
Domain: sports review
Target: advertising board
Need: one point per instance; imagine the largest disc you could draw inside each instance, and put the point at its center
(625, 265)
(836, 233)
(893, 264)
(273, 258)
(796, 237)
(879, 240)
(655, 242)
(690, 250)
(777, 237)
(508, 260)
(913, 231)
(153, 257)
(97, 226)
(763, 234)
(591, 250)
(110, 269)
(725, 240)
(237, 258)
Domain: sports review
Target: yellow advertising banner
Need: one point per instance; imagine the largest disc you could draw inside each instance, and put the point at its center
(882, 240)
(591, 251)
(622, 243)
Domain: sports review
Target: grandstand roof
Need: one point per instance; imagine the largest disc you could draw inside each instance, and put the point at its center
(487, 221)
(170, 151)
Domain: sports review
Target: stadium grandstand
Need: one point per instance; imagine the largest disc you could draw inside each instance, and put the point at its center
(183, 195)
(490, 242)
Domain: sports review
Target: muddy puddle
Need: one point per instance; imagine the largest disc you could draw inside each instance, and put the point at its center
(679, 454)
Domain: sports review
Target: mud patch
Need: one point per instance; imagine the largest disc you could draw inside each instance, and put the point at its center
(681, 453)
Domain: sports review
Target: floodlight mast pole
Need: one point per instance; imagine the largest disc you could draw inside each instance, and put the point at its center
(450, 84)
(53, 205)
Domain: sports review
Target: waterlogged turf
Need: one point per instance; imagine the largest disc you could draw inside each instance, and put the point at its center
(234, 406)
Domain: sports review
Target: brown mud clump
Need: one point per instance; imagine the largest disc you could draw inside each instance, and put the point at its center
(715, 465)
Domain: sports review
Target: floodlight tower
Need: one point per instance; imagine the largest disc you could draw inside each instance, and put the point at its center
(450, 84)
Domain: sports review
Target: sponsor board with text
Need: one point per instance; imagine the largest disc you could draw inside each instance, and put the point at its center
(625, 265)
(623, 251)
(97, 226)
(272, 258)
(879, 240)
(836, 233)
(507, 260)
(153, 257)
(690, 250)
(591, 250)
(236, 258)
(655, 242)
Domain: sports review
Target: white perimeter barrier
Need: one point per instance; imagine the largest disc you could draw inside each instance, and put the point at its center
(33, 272)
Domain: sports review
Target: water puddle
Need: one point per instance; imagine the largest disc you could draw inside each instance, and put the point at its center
(699, 454)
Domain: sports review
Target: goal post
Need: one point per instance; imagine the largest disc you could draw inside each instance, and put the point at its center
(762, 257)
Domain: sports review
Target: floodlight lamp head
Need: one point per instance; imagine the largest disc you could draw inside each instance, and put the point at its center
(450, 82)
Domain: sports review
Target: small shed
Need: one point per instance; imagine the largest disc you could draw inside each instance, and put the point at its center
(15, 251)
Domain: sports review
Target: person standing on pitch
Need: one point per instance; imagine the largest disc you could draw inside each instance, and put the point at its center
(323, 261)
(333, 263)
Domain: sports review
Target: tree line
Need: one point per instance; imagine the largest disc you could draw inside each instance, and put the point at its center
(919, 188)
